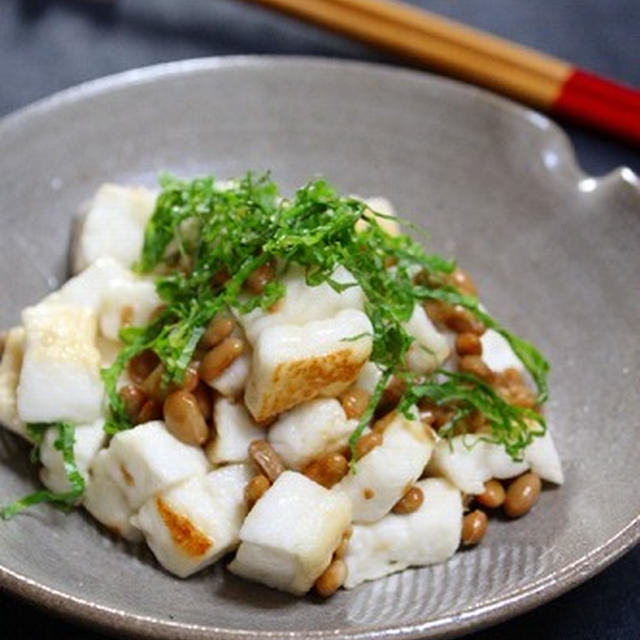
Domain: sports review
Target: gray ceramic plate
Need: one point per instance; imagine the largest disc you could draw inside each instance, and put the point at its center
(556, 255)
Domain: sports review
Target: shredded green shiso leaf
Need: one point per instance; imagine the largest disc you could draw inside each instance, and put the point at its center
(65, 501)
(202, 228)
(511, 426)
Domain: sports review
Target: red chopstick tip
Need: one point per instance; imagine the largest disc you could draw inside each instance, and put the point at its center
(601, 103)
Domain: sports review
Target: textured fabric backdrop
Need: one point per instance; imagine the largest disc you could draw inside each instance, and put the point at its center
(49, 45)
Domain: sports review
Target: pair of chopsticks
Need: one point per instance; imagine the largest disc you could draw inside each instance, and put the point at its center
(539, 80)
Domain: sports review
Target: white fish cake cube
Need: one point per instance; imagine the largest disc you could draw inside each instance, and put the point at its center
(89, 439)
(60, 376)
(429, 348)
(542, 457)
(498, 354)
(126, 302)
(148, 459)
(87, 288)
(234, 432)
(293, 364)
(232, 381)
(109, 350)
(10, 366)
(302, 303)
(387, 472)
(429, 535)
(289, 536)
(106, 502)
(378, 204)
(368, 378)
(193, 524)
(114, 225)
(310, 430)
(469, 462)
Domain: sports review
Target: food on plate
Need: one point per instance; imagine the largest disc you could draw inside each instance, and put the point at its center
(293, 381)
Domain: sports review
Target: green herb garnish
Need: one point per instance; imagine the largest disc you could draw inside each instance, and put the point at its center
(511, 426)
(533, 361)
(64, 501)
(204, 240)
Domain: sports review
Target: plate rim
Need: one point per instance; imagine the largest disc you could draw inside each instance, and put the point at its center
(493, 611)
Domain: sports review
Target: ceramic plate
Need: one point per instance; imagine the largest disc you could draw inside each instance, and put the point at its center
(555, 254)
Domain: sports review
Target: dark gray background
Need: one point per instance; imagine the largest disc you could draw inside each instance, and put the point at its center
(46, 46)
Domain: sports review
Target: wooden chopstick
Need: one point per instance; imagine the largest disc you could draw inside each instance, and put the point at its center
(542, 81)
